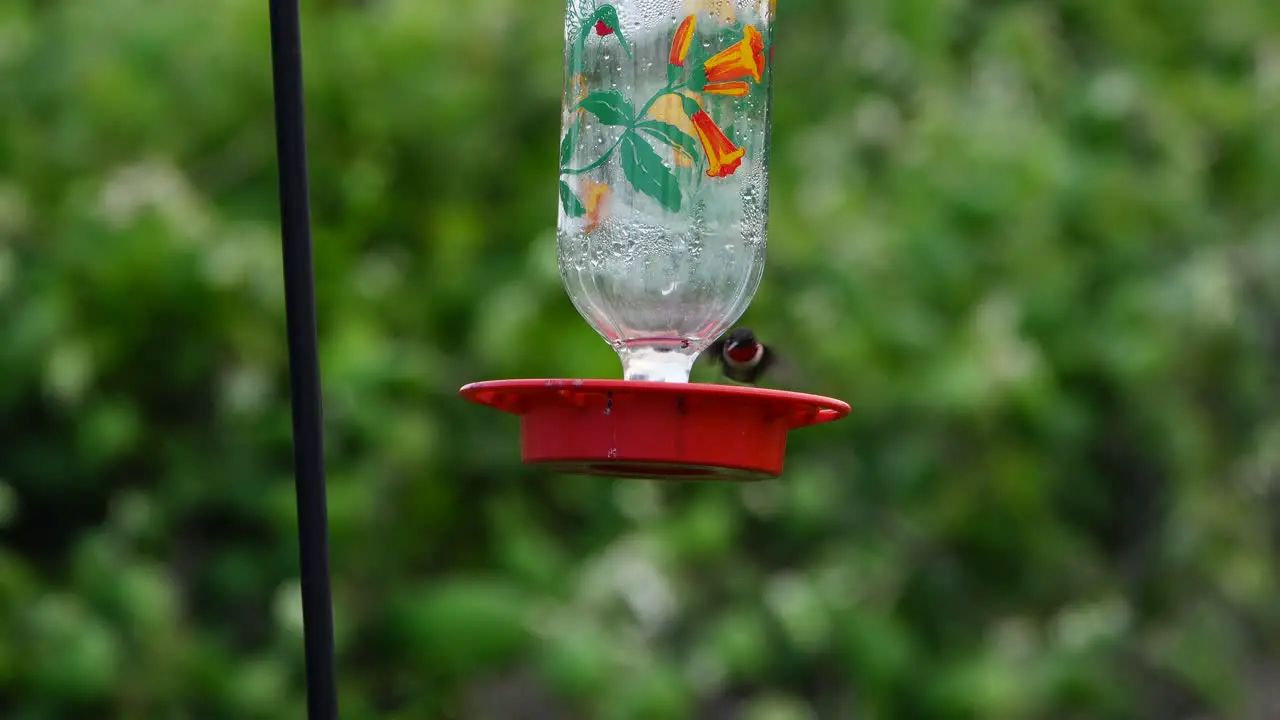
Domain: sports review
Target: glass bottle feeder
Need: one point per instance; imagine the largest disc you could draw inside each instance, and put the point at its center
(663, 206)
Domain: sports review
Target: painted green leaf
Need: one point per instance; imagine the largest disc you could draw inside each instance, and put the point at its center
(644, 169)
(673, 74)
(691, 106)
(671, 135)
(609, 106)
(572, 205)
(569, 142)
(729, 132)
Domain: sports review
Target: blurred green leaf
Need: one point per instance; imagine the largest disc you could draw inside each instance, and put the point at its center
(464, 625)
(1035, 247)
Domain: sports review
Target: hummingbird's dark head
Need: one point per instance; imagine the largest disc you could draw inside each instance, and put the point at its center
(741, 346)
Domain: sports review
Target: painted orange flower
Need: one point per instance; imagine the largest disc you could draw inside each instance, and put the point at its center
(734, 88)
(744, 58)
(723, 157)
(594, 196)
(681, 42)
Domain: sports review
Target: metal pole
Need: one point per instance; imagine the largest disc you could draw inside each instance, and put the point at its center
(304, 361)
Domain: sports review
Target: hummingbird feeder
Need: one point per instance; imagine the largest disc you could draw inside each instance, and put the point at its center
(664, 196)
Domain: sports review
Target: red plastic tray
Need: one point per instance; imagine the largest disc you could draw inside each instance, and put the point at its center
(675, 431)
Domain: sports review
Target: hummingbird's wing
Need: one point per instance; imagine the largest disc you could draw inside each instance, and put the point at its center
(780, 373)
(712, 356)
(714, 352)
(579, 14)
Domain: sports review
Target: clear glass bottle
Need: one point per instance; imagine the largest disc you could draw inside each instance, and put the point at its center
(664, 172)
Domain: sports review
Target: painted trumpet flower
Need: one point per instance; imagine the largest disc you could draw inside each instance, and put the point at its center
(594, 199)
(744, 58)
(681, 42)
(733, 88)
(723, 157)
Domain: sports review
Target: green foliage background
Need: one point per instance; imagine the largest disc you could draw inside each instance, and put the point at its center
(1036, 245)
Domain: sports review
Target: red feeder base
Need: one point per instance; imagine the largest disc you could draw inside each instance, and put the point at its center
(673, 431)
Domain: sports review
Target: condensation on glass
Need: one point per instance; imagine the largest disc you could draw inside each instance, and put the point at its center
(664, 172)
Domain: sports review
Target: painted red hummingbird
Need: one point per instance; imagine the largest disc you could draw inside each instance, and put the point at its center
(607, 23)
(741, 356)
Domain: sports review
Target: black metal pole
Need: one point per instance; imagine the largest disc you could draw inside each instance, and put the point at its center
(304, 360)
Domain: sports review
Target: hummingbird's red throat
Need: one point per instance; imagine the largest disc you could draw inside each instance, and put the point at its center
(743, 353)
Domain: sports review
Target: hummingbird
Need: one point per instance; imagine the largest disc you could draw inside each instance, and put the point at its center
(607, 23)
(741, 357)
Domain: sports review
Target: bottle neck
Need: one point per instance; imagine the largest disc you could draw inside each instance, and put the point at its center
(656, 363)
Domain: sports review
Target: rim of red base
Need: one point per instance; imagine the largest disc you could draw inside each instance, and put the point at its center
(518, 396)
(653, 430)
